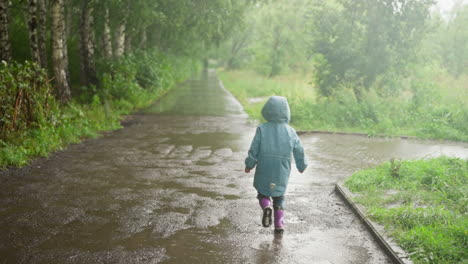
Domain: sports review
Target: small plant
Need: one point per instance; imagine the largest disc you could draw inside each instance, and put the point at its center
(395, 168)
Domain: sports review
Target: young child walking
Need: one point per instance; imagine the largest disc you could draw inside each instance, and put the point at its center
(270, 152)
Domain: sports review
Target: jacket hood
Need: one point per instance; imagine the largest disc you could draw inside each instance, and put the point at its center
(276, 109)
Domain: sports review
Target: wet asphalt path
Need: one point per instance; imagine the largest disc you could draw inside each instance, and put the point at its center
(170, 188)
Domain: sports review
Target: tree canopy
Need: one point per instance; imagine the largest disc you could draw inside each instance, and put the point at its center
(79, 32)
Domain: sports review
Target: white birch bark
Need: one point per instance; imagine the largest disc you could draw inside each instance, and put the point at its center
(107, 39)
(59, 50)
(33, 26)
(120, 39)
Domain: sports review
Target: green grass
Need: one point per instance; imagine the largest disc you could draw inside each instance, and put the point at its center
(136, 81)
(427, 111)
(75, 123)
(246, 85)
(422, 203)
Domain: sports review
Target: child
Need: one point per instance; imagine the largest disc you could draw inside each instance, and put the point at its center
(270, 151)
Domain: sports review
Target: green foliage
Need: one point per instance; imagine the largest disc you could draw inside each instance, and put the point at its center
(97, 109)
(18, 32)
(395, 166)
(26, 98)
(429, 111)
(358, 42)
(453, 42)
(189, 27)
(376, 65)
(272, 40)
(279, 37)
(252, 90)
(74, 123)
(163, 41)
(424, 208)
(437, 244)
(135, 74)
(447, 176)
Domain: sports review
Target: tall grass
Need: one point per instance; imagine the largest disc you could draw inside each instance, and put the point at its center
(252, 90)
(422, 108)
(423, 203)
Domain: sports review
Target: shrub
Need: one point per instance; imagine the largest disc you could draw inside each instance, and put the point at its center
(26, 98)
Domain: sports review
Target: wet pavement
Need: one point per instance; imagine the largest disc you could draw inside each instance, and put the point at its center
(170, 188)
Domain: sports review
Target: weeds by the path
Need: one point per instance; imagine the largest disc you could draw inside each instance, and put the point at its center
(423, 203)
(424, 110)
(33, 123)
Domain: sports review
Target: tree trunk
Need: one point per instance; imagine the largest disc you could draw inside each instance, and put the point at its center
(5, 50)
(88, 71)
(121, 33)
(59, 54)
(67, 18)
(33, 31)
(120, 39)
(42, 19)
(107, 36)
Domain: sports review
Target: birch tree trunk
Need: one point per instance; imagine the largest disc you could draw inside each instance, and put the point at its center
(5, 50)
(121, 32)
(120, 39)
(33, 31)
(59, 50)
(107, 39)
(42, 18)
(88, 71)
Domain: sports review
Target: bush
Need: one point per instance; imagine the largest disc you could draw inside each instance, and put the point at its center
(26, 98)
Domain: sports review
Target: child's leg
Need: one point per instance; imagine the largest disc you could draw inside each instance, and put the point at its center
(278, 204)
(263, 200)
(265, 204)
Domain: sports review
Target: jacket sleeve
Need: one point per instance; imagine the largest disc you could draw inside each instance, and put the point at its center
(299, 156)
(254, 150)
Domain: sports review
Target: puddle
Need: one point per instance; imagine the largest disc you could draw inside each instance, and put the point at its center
(171, 189)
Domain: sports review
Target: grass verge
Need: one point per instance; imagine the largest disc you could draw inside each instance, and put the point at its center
(74, 123)
(427, 111)
(252, 90)
(131, 83)
(422, 203)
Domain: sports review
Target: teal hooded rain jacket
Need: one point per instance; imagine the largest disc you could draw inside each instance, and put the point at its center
(272, 147)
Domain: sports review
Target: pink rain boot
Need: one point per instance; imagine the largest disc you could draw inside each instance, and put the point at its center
(279, 221)
(265, 204)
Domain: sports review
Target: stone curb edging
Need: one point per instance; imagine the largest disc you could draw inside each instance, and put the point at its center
(392, 251)
(305, 132)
